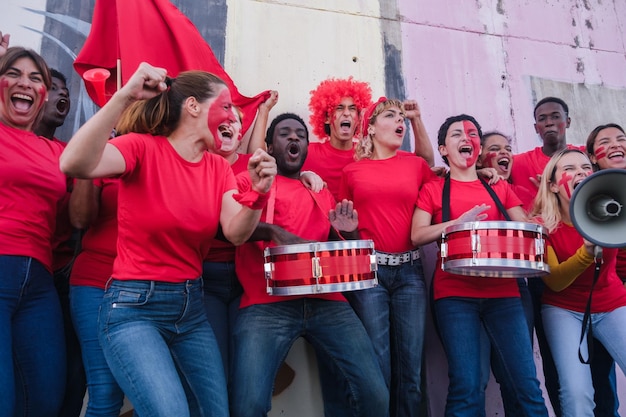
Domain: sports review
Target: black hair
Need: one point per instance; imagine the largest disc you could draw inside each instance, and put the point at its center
(491, 133)
(58, 74)
(443, 130)
(269, 136)
(551, 100)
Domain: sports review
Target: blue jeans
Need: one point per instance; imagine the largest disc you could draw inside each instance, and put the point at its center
(222, 293)
(154, 334)
(32, 345)
(602, 365)
(394, 315)
(76, 382)
(563, 332)
(461, 322)
(264, 333)
(105, 395)
(512, 407)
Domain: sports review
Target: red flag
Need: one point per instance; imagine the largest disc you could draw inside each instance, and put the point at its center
(157, 32)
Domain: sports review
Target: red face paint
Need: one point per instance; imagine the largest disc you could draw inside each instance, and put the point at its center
(564, 181)
(488, 160)
(43, 92)
(220, 112)
(471, 132)
(600, 152)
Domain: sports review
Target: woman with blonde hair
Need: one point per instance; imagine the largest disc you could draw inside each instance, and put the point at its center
(383, 184)
(574, 275)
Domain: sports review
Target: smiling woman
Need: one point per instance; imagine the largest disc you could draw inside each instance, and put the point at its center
(31, 328)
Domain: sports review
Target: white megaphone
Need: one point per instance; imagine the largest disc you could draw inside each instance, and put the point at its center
(598, 208)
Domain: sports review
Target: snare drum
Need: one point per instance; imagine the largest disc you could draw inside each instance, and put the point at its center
(320, 267)
(501, 249)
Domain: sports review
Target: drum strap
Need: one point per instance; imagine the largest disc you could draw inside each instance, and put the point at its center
(445, 203)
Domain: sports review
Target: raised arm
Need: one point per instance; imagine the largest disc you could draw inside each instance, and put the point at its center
(88, 155)
(423, 147)
(257, 137)
(239, 221)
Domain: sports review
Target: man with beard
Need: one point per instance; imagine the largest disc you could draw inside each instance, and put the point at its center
(551, 123)
(268, 325)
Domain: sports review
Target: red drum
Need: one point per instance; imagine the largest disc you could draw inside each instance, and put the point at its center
(320, 267)
(500, 249)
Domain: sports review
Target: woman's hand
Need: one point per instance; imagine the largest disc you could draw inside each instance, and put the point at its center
(474, 214)
(145, 83)
(262, 169)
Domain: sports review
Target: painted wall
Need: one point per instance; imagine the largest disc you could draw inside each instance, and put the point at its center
(493, 59)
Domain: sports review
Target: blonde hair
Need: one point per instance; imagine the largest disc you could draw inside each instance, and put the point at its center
(547, 205)
(365, 146)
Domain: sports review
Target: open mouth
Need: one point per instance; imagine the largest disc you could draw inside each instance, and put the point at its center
(21, 102)
(345, 126)
(293, 149)
(400, 130)
(504, 163)
(225, 132)
(616, 154)
(63, 105)
(466, 150)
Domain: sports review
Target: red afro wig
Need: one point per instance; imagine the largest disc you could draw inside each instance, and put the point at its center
(328, 95)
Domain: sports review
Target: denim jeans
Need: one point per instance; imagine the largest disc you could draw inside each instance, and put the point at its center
(105, 395)
(563, 329)
(461, 322)
(264, 333)
(76, 382)
(32, 345)
(222, 293)
(512, 407)
(394, 315)
(153, 334)
(602, 365)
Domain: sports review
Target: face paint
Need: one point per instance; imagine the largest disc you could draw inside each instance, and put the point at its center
(600, 152)
(564, 181)
(472, 134)
(488, 160)
(43, 93)
(220, 112)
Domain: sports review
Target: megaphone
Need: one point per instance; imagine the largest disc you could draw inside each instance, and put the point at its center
(97, 78)
(598, 208)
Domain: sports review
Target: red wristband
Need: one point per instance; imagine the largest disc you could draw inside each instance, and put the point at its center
(252, 199)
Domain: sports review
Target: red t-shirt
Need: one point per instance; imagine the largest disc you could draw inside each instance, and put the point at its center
(94, 264)
(31, 185)
(168, 211)
(297, 210)
(328, 162)
(528, 165)
(608, 294)
(464, 196)
(384, 193)
(224, 251)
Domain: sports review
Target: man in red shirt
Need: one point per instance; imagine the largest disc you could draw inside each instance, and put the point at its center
(267, 325)
(551, 123)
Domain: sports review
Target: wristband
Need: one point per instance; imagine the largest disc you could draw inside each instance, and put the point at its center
(252, 199)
